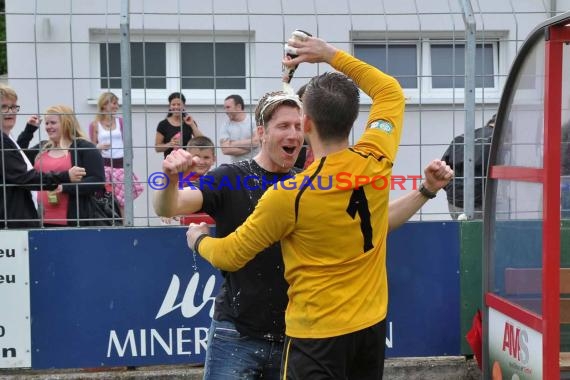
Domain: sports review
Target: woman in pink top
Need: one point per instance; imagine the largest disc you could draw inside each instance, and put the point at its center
(54, 204)
(69, 204)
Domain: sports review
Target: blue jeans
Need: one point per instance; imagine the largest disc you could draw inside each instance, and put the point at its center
(231, 355)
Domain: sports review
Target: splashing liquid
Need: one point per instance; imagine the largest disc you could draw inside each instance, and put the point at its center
(195, 265)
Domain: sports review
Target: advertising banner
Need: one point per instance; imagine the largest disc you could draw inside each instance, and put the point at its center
(15, 345)
(119, 297)
(515, 350)
(423, 285)
(138, 296)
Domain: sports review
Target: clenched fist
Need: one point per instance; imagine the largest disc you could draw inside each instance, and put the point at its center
(179, 161)
(437, 175)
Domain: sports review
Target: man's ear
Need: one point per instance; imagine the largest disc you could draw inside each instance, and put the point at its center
(260, 132)
(307, 124)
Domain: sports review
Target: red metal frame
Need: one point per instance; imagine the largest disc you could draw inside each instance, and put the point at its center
(527, 318)
(551, 202)
(516, 173)
(549, 323)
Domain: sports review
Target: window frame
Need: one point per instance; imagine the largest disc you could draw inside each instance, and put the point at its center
(173, 40)
(398, 43)
(454, 93)
(425, 93)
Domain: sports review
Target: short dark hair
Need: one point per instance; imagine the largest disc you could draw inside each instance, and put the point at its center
(332, 101)
(238, 100)
(301, 90)
(177, 95)
(200, 141)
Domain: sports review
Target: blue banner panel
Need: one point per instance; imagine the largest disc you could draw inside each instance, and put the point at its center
(134, 297)
(423, 282)
(118, 297)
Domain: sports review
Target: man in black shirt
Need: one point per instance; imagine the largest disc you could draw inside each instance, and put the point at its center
(248, 327)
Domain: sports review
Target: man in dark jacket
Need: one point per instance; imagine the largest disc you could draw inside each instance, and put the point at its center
(453, 156)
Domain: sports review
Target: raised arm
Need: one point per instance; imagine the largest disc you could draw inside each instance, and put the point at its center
(27, 135)
(437, 175)
(192, 123)
(171, 201)
(387, 111)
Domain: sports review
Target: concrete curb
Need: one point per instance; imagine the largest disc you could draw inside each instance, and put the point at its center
(424, 368)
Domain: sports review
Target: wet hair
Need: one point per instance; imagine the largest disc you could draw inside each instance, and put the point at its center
(238, 100)
(332, 100)
(270, 103)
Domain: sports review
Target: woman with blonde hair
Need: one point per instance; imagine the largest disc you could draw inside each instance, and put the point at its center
(68, 205)
(18, 178)
(106, 132)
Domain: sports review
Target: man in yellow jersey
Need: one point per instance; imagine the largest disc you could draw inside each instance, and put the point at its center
(333, 233)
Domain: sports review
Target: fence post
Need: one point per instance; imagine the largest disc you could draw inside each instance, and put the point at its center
(469, 136)
(127, 120)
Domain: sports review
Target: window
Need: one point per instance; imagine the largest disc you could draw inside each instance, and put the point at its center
(448, 66)
(220, 65)
(401, 61)
(203, 69)
(432, 69)
(148, 65)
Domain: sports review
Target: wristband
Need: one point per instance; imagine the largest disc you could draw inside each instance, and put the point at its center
(426, 193)
(198, 241)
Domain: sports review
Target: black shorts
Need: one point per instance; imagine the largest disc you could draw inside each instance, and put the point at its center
(355, 356)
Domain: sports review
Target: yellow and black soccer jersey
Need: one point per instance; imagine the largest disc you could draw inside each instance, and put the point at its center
(332, 220)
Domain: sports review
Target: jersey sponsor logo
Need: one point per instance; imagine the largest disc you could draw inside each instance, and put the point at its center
(382, 125)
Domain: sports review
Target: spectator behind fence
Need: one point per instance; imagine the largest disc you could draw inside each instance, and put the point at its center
(106, 132)
(18, 178)
(237, 137)
(333, 240)
(178, 128)
(202, 148)
(454, 158)
(203, 152)
(67, 146)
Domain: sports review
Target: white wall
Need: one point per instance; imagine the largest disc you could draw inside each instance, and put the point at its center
(50, 60)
